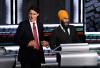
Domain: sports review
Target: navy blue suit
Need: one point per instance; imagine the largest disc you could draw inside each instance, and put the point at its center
(22, 38)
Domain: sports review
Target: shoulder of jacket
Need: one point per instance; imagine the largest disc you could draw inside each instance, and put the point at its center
(72, 26)
(24, 22)
(56, 29)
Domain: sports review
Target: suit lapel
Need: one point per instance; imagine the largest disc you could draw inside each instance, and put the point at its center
(64, 33)
(29, 29)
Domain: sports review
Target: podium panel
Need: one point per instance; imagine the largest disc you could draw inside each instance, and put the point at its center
(7, 61)
(75, 47)
(79, 59)
(51, 59)
(77, 54)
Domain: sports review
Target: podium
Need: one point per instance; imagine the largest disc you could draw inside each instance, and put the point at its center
(77, 54)
(7, 61)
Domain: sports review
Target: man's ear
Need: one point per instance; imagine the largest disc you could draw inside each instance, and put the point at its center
(38, 14)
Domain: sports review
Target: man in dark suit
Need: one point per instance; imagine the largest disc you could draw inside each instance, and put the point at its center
(64, 33)
(29, 37)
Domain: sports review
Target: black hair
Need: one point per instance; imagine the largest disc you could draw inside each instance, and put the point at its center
(33, 8)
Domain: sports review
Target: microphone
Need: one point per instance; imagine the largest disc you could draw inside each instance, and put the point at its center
(54, 50)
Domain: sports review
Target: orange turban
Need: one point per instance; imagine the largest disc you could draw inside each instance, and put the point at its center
(62, 14)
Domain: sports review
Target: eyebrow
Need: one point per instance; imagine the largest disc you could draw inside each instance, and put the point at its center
(66, 18)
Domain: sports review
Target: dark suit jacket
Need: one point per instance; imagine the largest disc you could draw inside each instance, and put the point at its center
(22, 38)
(60, 37)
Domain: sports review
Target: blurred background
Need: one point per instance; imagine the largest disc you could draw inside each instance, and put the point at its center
(84, 15)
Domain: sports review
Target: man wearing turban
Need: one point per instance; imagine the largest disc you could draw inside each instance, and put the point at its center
(64, 33)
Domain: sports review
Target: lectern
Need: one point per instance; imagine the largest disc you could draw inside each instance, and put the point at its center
(7, 61)
(77, 54)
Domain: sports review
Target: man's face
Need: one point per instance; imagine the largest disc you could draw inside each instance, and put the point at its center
(65, 20)
(33, 15)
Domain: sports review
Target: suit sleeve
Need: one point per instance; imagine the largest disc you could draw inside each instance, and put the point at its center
(53, 40)
(18, 38)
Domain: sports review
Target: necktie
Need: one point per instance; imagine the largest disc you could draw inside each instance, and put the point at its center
(35, 36)
(67, 30)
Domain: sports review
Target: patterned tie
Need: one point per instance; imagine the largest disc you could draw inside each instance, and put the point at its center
(35, 36)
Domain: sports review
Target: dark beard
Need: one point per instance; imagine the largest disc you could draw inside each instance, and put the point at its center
(64, 25)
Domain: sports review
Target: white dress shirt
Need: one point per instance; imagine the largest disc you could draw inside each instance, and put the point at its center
(31, 23)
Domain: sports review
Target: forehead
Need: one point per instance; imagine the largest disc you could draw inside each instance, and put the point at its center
(32, 11)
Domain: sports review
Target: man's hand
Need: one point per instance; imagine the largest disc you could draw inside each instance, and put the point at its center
(44, 43)
(32, 43)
